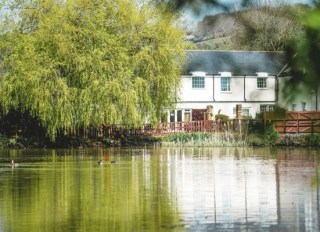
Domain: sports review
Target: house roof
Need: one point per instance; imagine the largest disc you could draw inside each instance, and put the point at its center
(236, 62)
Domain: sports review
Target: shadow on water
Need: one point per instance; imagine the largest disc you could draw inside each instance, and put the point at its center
(160, 189)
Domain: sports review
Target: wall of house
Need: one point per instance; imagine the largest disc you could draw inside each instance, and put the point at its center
(236, 89)
(300, 99)
(222, 108)
(243, 90)
(188, 93)
(253, 93)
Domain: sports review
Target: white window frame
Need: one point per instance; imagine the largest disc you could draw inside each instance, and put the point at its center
(262, 77)
(225, 76)
(246, 112)
(248, 109)
(225, 87)
(268, 107)
(262, 83)
(198, 75)
(198, 82)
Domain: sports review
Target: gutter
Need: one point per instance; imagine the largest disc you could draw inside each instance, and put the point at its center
(227, 101)
(244, 88)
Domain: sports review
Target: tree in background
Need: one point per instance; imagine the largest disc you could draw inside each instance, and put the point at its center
(77, 63)
(268, 26)
(294, 30)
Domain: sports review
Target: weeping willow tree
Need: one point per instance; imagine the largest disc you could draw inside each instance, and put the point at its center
(75, 63)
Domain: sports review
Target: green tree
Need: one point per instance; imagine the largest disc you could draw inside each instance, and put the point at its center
(76, 63)
(268, 26)
(304, 55)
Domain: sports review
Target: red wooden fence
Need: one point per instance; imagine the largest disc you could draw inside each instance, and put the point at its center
(297, 126)
(294, 122)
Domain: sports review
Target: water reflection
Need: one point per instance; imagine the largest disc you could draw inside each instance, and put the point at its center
(160, 189)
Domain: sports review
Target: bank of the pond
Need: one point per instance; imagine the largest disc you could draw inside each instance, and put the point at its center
(235, 140)
(225, 139)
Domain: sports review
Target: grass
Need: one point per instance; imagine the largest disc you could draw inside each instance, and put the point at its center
(223, 139)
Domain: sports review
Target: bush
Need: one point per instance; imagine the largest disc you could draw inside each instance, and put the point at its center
(222, 117)
(3, 141)
(271, 135)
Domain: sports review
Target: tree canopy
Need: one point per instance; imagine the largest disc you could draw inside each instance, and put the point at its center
(74, 63)
(268, 26)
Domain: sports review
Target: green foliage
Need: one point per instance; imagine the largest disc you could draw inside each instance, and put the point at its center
(227, 139)
(256, 126)
(303, 140)
(3, 140)
(222, 117)
(77, 63)
(271, 135)
(268, 27)
(223, 43)
(304, 55)
(256, 140)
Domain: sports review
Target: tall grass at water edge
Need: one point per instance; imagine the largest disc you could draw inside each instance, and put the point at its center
(268, 136)
(221, 139)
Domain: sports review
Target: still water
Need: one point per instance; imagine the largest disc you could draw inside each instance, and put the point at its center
(160, 189)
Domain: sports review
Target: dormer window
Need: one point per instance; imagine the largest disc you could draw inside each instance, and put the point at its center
(198, 80)
(262, 80)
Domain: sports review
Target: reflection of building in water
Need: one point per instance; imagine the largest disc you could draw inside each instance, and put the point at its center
(298, 189)
(238, 189)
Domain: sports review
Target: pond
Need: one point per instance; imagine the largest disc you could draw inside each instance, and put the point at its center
(160, 189)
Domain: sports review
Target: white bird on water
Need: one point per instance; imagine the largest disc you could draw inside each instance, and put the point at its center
(14, 164)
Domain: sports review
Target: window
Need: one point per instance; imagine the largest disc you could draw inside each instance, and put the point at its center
(245, 111)
(197, 82)
(225, 84)
(261, 83)
(264, 108)
(293, 107)
(172, 115)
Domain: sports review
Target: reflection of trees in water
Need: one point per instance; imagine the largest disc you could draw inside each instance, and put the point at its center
(191, 188)
(70, 192)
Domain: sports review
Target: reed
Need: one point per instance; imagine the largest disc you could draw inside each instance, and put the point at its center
(221, 139)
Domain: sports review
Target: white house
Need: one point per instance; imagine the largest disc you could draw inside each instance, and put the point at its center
(225, 79)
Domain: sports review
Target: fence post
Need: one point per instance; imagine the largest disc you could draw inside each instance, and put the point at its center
(311, 126)
(284, 126)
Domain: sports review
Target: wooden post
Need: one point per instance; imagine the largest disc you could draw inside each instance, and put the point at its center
(238, 111)
(208, 113)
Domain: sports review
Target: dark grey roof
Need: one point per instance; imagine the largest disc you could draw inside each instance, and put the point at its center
(236, 62)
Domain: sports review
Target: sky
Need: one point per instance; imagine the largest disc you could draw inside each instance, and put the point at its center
(192, 18)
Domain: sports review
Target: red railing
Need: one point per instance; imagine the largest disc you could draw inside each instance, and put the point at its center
(161, 128)
(112, 130)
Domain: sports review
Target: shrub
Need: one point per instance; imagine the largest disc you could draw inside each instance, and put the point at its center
(271, 135)
(222, 117)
